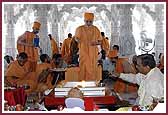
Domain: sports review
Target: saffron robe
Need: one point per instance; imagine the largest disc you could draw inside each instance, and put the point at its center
(88, 54)
(65, 49)
(105, 45)
(47, 84)
(54, 47)
(22, 74)
(25, 44)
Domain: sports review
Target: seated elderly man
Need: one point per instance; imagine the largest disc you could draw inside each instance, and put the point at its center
(75, 93)
(150, 80)
(75, 98)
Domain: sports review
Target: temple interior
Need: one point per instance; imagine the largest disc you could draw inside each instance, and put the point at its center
(136, 28)
(125, 25)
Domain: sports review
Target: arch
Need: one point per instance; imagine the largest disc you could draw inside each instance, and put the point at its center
(73, 15)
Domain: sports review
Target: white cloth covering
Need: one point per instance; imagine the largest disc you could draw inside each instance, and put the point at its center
(74, 102)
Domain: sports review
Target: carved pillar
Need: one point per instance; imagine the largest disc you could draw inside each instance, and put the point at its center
(28, 23)
(62, 32)
(127, 42)
(115, 26)
(54, 22)
(63, 21)
(12, 13)
(42, 16)
(159, 35)
(10, 24)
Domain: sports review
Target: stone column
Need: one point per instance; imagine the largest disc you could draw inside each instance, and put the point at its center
(10, 20)
(28, 23)
(10, 24)
(62, 32)
(127, 42)
(42, 16)
(159, 35)
(114, 25)
(54, 22)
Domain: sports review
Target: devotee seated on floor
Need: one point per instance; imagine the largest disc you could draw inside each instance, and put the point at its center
(43, 74)
(45, 63)
(18, 74)
(58, 62)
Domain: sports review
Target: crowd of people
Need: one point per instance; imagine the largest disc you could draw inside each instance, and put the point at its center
(141, 74)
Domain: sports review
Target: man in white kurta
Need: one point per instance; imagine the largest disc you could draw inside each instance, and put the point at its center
(150, 85)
